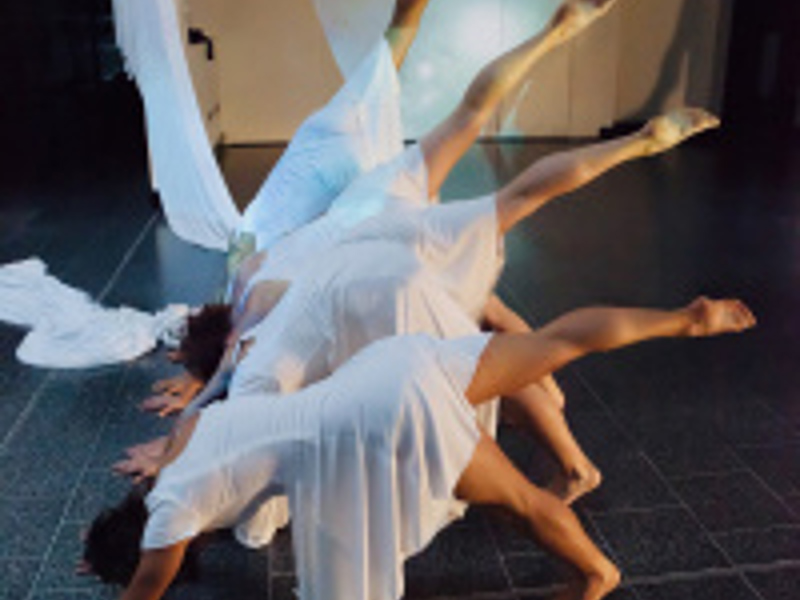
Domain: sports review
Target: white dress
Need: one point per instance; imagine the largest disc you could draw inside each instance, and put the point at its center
(414, 271)
(368, 458)
(359, 129)
(397, 185)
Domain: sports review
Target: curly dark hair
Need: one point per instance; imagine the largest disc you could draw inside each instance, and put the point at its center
(112, 544)
(204, 343)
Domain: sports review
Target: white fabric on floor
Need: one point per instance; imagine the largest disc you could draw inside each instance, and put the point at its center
(197, 203)
(71, 331)
(369, 459)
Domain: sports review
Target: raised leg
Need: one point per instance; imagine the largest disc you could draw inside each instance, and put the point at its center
(512, 362)
(491, 479)
(404, 27)
(446, 144)
(565, 172)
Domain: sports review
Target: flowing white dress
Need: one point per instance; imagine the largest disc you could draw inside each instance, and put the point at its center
(409, 271)
(358, 130)
(368, 458)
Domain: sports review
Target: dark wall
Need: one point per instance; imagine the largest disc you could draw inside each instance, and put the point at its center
(64, 101)
(763, 86)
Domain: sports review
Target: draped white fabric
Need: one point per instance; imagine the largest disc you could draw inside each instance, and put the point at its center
(71, 331)
(197, 202)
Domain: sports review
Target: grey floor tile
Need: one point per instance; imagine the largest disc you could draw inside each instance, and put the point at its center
(778, 584)
(622, 593)
(732, 501)
(763, 546)
(658, 542)
(683, 454)
(629, 482)
(705, 588)
(42, 473)
(460, 561)
(793, 502)
(777, 466)
(59, 568)
(28, 526)
(97, 489)
(17, 577)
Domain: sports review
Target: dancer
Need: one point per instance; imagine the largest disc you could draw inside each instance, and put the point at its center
(370, 457)
(542, 403)
(357, 130)
(423, 270)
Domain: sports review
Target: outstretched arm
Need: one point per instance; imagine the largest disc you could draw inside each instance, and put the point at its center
(156, 570)
(511, 362)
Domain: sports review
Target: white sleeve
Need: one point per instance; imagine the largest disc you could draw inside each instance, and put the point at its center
(169, 523)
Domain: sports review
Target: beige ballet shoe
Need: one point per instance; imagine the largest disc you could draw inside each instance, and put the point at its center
(675, 127)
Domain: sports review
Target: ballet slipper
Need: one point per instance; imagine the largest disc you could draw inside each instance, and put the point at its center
(675, 127)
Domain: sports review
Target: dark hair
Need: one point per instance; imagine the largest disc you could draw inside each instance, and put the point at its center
(203, 345)
(112, 544)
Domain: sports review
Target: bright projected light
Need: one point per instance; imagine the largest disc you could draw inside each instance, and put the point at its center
(457, 39)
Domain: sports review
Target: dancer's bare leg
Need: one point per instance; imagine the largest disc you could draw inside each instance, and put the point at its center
(491, 479)
(565, 172)
(512, 362)
(540, 407)
(404, 27)
(446, 144)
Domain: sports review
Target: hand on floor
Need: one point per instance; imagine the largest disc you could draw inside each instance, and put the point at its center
(172, 395)
(138, 467)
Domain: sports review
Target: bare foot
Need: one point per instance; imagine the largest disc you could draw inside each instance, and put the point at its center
(715, 317)
(576, 484)
(573, 16)
(673, 128)
(152, 449)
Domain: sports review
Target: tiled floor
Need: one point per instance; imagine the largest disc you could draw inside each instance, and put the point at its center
(699, 441)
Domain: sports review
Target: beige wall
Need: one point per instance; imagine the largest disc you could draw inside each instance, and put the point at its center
(275, 65)
(670, 55)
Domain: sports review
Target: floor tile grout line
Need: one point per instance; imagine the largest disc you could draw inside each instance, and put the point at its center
(127, 257)
(72, 495)
(775, 495)
(771, 528)
(671, 488)
(611, 414)
(705, 530)
(26, 412)
(700, 474)
(501, 556)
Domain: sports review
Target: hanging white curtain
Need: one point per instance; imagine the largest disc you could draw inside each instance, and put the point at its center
(197, 203)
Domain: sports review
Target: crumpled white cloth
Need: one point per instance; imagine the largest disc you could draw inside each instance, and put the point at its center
(71, 331)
